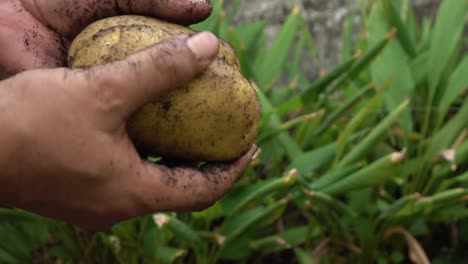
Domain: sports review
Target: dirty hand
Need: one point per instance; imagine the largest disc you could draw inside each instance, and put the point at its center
(36, 33)
(65, 152)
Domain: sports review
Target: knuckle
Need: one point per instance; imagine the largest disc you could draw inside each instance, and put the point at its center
(172, 61)
(108, 92)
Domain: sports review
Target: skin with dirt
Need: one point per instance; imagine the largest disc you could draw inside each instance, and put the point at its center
(39, 32)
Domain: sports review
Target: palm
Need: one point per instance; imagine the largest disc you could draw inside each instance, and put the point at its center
(36, 33)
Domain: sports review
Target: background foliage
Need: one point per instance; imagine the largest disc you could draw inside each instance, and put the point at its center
(366, 164)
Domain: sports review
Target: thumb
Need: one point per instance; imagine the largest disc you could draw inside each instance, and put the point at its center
(126, 85)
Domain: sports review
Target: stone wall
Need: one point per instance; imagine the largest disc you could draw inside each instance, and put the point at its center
(325, 19)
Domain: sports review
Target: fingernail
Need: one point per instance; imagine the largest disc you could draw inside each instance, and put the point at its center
(204, 45)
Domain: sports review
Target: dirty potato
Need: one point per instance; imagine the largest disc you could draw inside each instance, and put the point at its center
(214, 118)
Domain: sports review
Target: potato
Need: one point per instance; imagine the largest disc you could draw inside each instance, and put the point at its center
(214, 118)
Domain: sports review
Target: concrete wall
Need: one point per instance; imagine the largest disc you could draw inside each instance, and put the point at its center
(325, 19)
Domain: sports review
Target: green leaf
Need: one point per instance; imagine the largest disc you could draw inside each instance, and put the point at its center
(295, 236)
(332, 203)
(343, 109)
(334, 176)
(246, 41)
(211, 23)
(16, 215)
(251, 220)
(170, 254)
(356, 121)
(392, 65)
(457, 84)
(271, 66)
(284, 240)
(14, 243)
(303, 257)
(377, 134)
(7, 258)
(376, 173)
(420, 68)
(397, 206)
(239, 249)
(364, 61)
(314, 159)
(289, 145)
(306, 97)
(285, 127)
(447, 135)
(178, 228)
(261, 190)
(213, 212)
(347, 47)
(447, 34)
(404, 35)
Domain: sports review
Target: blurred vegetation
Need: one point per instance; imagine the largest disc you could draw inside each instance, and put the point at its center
(365, 164)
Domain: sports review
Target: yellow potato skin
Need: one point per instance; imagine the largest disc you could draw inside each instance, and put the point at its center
(214, 118)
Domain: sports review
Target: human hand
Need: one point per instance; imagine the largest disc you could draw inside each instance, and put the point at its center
(36, 33)
(65, 151)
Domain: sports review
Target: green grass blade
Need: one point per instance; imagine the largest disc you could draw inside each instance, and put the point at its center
(14, 244)
(457, 181)
(208, 215)
(269, 213)
(377, 134)
(335, 115)
(404, 35)
(287, 126)
(211, 23)
(319, 86)
(290, 146)
(447, 34)
(347, 47)
(447, 135)
(442, 199)
(365, 60)
(272, 65)
(246, 39)
(6, 257)
(314, 159)
(263, 190)
(17, 216)
(376, 173)
(294, 67)
(233, 11)
(332, 203)
(169, 254)
(426, 34)
(393, 65)
(270, 244)
(419, 67)
(179, 228)
(334, 176)
(286, 239)
(303, 257)
(308, 95)
(457, 84)
(358, 119)
(397, 206)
